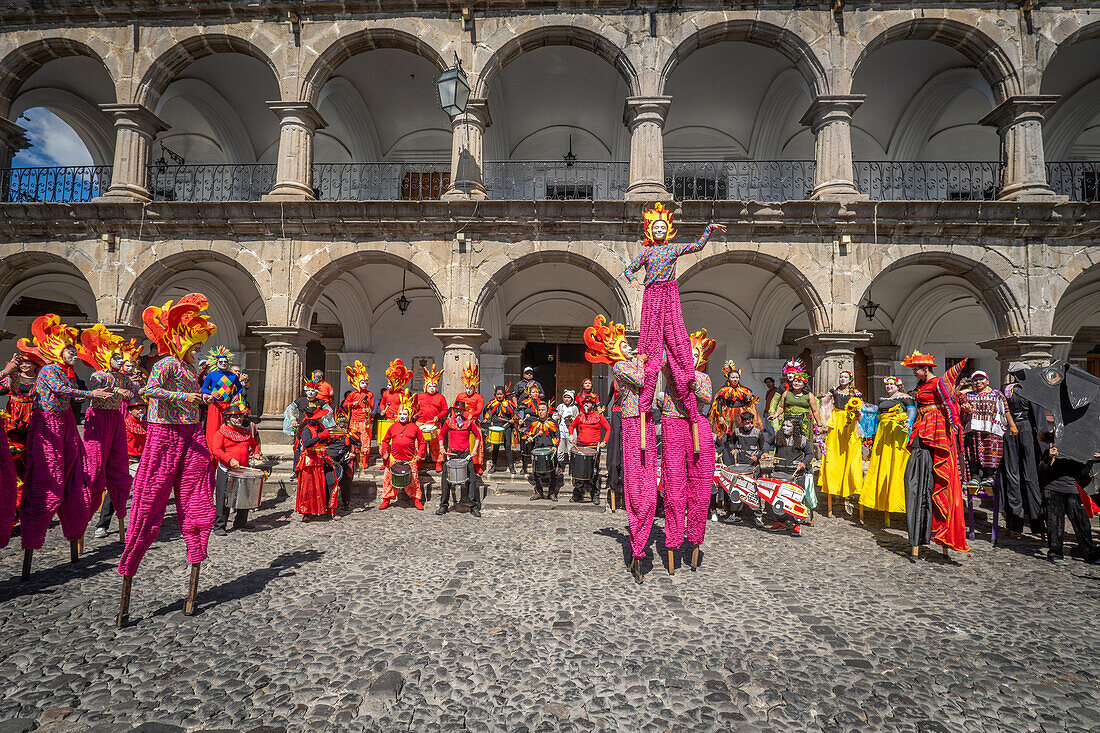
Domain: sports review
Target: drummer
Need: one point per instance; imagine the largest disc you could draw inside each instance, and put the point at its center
(793, 456)
(528, 412)
(743, 448)
(402, 443)
(543, 433)
(564, 414)
(455, 434)
(590, 429)
(230, 445)
(431, 410)
(345, 450)
(500, 412)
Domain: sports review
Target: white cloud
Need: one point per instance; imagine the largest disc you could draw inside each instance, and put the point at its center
(53, 142)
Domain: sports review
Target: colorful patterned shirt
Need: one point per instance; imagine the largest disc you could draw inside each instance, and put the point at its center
(660, 259)
(169, 384)
(672, 406)
(630, 375)
(111, 380)
(54, 391)
(223, 385)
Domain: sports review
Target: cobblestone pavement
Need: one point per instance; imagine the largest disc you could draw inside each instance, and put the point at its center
(529, 621)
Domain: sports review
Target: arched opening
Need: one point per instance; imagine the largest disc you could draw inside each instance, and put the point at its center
(1071, 128)
(1078, 316)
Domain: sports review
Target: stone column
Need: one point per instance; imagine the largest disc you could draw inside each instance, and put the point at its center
(882, 361)
(13, 138)
(468, 152)
(832, 353)
(334, 372)
(1030, 350)
(286, 352)
(645, 118)
(135, 128)
(1019, 122)
(830, 120)
(294, 172)
(512, 349)
(252, 361)
(460, 345)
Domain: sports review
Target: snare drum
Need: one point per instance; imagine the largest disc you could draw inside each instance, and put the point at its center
(495, 436)
(383, 428)
(544, 460)
(243, 488)
(400, 475)
(429, 430)
(457, 470)
(745, 486)
(583, 467)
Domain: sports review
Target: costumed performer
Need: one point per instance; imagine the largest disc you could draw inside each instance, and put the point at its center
(662, 323)
(1020, 468)
(520, 392)
(177, 457)
(389, 402)
(359, 405)
(318, 489)
(461, 436)
(589, 429)
(933, 493)
(793, 457)
(842, 465)
(884, 485)
(564, 414)
(431, 409)
(344, 448)
(17, 415)
(231, 446)
(731, 400)
(543, 433)
(500, 412)
(9, 482)
(325, 392)
(797, 401)
(475, 405)
(1064, 484)
(403, 443)
(220, 383)
(986, 419)
(135, 444)
(528, 411)
(309, 402)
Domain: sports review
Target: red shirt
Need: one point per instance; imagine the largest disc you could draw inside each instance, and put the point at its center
(457, 438)
(135, 436)
(431, 407)
(403, 442)
(588, 426)
(228, 443)
(325, 393)
(475, 404)
(391, 403)
(360, 404)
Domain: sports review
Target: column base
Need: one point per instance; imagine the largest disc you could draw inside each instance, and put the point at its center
(647, 191)
(125, 194)
(473, 192)
(271, 431)
(838, 191)
(289, 192)
(1031, 192)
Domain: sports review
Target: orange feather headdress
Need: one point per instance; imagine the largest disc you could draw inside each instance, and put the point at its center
(49, 337)
(178, 329)
(357, 373)
(605, 341)
(702, 348)
(469, 375)
(398, 375)
(97, 346)
(655, 213)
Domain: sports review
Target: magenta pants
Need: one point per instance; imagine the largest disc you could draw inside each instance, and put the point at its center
(640, 482)
(106, 461)
(7, 490)
(175, 457)
(686, 480)
(663, 331)
(55, 479)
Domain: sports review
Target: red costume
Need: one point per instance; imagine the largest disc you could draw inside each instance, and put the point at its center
(230, 443)
(456, 438)
(431, 408)
(359, 404)
(325, 392)
(731, 401)
(390, 398)
(403, 443)
(135, 436)
(474, 406)
(314, 468)
(589, 427)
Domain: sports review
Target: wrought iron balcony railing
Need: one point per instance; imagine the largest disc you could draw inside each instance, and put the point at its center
(888, 180)
(211, 182)
(740, 180)
(381, 181)
(1078, 180)
(61, 184)
(530, 180)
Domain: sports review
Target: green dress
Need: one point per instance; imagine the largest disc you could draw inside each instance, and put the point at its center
(798, 407)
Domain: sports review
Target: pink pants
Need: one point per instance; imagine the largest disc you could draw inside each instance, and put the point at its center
(175, 457)
(55, 479)
(663, 329)
(106, 461)
(686, 480)
(640, 483)
(7, 490)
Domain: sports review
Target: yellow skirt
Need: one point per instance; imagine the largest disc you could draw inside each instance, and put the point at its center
(842, 468)
(884, 485)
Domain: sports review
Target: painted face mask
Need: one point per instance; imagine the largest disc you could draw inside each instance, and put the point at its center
(311, 393)
(788, 429)
(363, 385)
(660, 231)
(116, 361)
(69, 356)
(469, 390)
(403, 416)
(223, 364)
(431, 388)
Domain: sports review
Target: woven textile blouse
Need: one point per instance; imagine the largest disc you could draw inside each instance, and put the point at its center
(659, 260)
(111, 381)
(631, 375)
(703, 392)
(54, 391)
(987, 412)
(169, 384)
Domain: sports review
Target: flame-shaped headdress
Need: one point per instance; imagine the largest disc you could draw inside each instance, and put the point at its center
(605, 341)
(49, 337)
(131, 351)
(176, 329)
(469, 375)
(356, 374)
(408, 402)
(97, 346)
(730, 368)
(398, 375)
(653, 214)
(917, 359)
(431, 376)
(793, 369)
(701, 348)
(218, 352)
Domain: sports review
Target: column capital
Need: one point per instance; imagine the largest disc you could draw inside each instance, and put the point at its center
(831, 108)
(284, 336)
(645, 109)
(461, 337)
(833, 341)
(1017, 109)
(303, 114)
(135, 117)
(13, 137)
(477, 113)
(1032, 350)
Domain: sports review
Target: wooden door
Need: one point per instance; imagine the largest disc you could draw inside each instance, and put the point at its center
(570, 374)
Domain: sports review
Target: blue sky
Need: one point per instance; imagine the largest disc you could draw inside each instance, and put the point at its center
(52, 142)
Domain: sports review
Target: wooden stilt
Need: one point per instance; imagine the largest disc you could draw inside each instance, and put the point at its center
(887, 515)
(946, 552)
(828, 505)
(192, 591)
(861, 513)
(914, 553)
(74, 550)
(123, 618)
(27, 555)
(695, 438)
(695, 557)
(612, 497)
(671, 563)
(121, 530)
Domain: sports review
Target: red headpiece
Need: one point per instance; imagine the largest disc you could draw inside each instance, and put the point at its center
(49, 337)
(398, 375)
(701, 348)
(431, 376)
(97, 346)
(356, 374)
(655, 213)
(470, 375)
(178, 329)
(605, 341)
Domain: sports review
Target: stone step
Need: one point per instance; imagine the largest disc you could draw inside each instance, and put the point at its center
(515, 501)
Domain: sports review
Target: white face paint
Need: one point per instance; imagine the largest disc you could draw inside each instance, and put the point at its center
(128, 367)
(735, 378)
(431, 388)
(627, 351)
(788, 429)
(311, 393)
(403, 415)
(222, 363)
(69, 355)
(891, 389)
(844, 380)
(470, 390)
(116, 361)
(797, 383)
(363, 384)
(660, 230)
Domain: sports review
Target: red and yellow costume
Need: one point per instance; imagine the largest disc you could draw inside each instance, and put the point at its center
(390, 399)
(403, 443)
(359, 405)
(937, 429)
(475, 405)
(730, 401)
(431, 408)
(318, 492)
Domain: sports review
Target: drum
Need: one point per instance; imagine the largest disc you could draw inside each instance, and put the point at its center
(400, 475)
(495, 436)
(544, 460)
(745, 485)
(784, 497)
(458, 470)
(429, 430)
(583, 467)
(242, 490)
(383, 428)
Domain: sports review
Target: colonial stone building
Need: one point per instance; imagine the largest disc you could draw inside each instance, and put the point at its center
(291, 160)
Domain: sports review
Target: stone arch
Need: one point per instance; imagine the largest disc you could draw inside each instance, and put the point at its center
(558, 35)
(1071, 29)
(15, 281)
(368, 39)
(17, 66)
(924, 308)
(691, 38)
(93, 127)
(503, 267)
(979, 48)
(175, 59)
(1074, 309)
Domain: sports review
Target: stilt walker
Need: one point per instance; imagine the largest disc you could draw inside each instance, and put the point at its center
(220, 383)
(106, 458)
(55, 454)
(176, 457)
